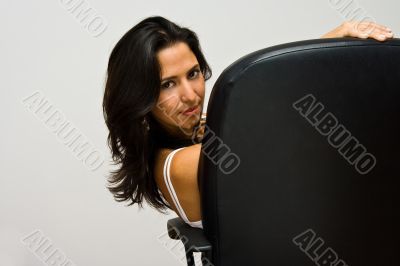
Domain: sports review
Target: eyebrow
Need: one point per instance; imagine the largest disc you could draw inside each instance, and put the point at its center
(173, 77)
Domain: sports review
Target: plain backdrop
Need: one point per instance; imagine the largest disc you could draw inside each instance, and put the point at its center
(47, 193)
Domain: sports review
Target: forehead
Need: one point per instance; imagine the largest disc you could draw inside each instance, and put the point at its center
(176, 59)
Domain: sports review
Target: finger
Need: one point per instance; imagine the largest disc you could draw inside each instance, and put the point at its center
(369, 27)
(383, 27)
(389, 34)
(381, 34)
(377, 34)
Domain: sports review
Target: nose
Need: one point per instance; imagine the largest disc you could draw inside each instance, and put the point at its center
(188, 93)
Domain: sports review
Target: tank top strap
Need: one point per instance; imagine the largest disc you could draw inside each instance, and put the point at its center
(171, 190)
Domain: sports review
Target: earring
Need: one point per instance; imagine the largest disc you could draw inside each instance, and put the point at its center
(144, 122)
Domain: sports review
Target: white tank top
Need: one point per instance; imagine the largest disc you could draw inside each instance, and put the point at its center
(167, 180)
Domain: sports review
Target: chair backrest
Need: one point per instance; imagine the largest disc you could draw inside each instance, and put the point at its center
(301, 154)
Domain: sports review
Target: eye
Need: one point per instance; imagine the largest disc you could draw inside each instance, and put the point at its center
(194, 74)
(167, 85)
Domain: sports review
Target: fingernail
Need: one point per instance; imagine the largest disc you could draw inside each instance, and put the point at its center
(388, 29)
(382, 36)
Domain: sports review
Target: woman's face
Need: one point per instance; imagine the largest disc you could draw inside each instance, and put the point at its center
(182, 87)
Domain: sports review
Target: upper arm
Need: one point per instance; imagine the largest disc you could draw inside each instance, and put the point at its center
(183, 173)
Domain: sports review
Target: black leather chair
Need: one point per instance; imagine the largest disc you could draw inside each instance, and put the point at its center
(300, 159)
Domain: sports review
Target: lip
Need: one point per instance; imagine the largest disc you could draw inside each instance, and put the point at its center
(191, 111)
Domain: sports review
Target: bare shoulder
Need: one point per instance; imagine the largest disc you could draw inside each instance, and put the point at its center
(185, 164)
(182, 159)
(183, 175)
(183, 172)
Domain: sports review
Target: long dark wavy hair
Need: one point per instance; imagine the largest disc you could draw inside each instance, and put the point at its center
(131, 92)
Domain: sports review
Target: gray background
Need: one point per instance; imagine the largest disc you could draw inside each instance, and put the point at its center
(44, 186)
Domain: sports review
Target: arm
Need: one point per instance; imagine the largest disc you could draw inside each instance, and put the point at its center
(360, 29)
(184, 168)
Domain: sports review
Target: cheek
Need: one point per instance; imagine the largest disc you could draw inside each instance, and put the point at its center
(201, 88)
(167, 105)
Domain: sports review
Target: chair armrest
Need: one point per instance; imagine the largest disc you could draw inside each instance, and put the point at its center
(192, 238)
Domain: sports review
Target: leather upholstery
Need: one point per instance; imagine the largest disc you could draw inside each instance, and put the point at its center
(290, 178)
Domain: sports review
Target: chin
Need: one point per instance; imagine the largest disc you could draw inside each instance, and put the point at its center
(190, 123)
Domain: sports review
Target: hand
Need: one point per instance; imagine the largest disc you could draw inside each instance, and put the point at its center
(200, 130)
(361, 29)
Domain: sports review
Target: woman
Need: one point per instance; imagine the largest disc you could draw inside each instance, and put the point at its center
(153, 105)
